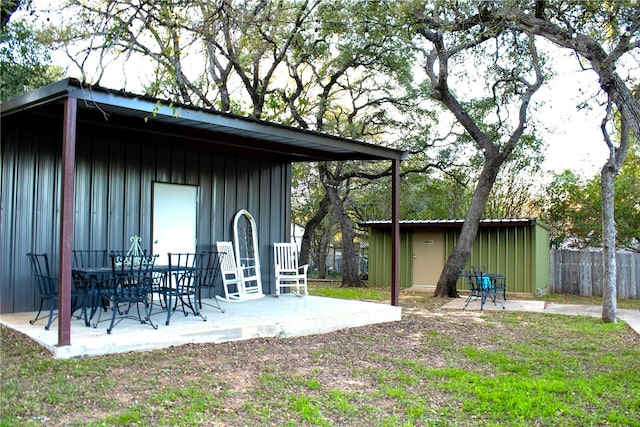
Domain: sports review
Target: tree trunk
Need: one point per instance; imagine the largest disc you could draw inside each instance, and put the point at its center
(609, 287)
(446, 286)
(350, 277)
(310, 228)
(608, 176)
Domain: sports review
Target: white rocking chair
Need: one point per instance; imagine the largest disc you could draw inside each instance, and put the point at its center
(232, 276)
(289, 274)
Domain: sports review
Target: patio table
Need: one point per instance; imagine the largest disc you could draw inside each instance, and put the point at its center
(95, 276)
(92, 277)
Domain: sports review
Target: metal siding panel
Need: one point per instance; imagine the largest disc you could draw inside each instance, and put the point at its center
(148, 170)
(178, 163)
(406, 260)
(133, 197)
(528, 284)
(163, 162)
(205, 231)
(230, 204)
(28, 218)
(241, 180)
(261, 186)
(47, 208)
(274, 216)
(509, 255)
(372, 254)
(82, 196)
(98, 237)
(218, 214)
(254, 171)
(8, 182)
(18, 183)
(542, 259)
(380, 258)
(192, 172)
(116, 184)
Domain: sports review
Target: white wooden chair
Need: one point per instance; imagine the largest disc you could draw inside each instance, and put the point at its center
(289, 275)
(232, 276)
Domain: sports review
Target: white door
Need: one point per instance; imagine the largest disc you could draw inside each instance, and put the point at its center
(175, 210)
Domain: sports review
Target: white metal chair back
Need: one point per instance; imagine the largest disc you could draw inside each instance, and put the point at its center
(288, 273)
(233, 280)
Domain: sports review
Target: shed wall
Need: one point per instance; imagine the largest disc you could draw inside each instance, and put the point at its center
(542, 260)
(380, 258)
(521, 253)
(113, 189)
(515, 252)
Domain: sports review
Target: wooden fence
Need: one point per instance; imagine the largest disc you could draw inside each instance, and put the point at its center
(581, 273)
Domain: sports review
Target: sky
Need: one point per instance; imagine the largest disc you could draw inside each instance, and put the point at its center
(574, 138)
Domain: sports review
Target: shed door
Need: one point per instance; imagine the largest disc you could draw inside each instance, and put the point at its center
(428, 256)
(175, 210)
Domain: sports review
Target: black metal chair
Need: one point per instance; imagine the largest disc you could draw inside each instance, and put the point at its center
(130, 285)
(90, 258)
(485, 286)
(497, 280)
(47, 285)
(475, 291)
(208, 271)
(181, 286)
(478, 269)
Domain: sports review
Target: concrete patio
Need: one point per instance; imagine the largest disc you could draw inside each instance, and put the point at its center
(287, 316)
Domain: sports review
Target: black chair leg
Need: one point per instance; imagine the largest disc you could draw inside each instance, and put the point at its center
(37, 315)
(53, 307)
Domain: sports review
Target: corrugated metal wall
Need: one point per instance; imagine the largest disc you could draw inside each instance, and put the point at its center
(380, 258)
(114, 176)
(518, 252)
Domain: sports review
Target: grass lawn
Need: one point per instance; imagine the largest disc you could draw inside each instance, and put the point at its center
(433, 368)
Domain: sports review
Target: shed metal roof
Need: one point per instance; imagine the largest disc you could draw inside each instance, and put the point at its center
(248, 134)
(454, 223)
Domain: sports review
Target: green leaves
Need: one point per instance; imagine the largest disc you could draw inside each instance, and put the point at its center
(24, 61)
(575, 206)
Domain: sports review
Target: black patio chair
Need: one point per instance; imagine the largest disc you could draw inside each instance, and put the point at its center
(90, 258)
(478, 269)
(181, 286)
(129, 285)
(475, 291)
(487, 286)
(47, 285)
(497, 280)
(208, 271)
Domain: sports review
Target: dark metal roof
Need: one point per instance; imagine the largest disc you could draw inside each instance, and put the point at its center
(455, 223)
(292, 143)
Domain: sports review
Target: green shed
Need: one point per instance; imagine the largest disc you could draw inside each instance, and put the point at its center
(517, 248)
